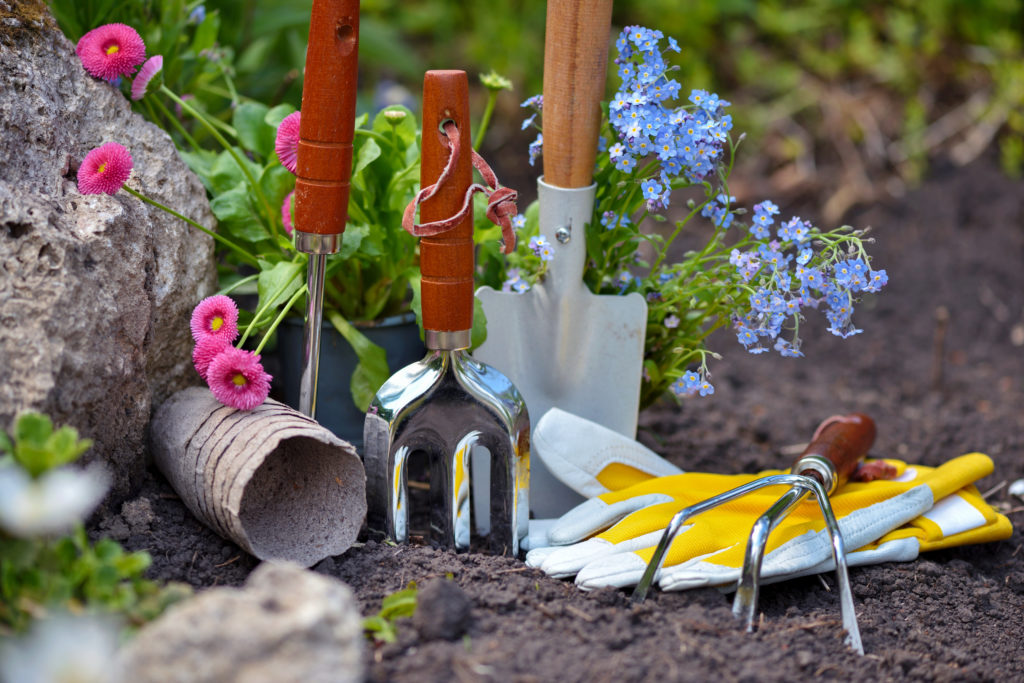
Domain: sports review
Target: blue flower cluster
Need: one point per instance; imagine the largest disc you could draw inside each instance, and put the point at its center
(687, 140)
(789, 276)
(692, 383)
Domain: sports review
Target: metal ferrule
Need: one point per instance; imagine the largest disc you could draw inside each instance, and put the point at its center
(448, 407)
(819, 467)
(445, 340)
(312, 243)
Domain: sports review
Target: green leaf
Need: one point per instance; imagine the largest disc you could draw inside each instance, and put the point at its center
(353, 239)
(278, 114)
(253, 132)
(399, 604)
(368, 152)
(278, 283)
(372, 370)
(206, 33)
(201, 162)
(237, 215)
(276, 181)
(478, 335)
(406, 129)
(226, 174)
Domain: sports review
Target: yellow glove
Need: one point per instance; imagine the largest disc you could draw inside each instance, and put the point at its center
(609, 540)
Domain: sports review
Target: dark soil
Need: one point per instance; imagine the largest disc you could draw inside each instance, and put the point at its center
(954, 249)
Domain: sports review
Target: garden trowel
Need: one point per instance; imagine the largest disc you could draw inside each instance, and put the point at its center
(562, 345)
(324, 162)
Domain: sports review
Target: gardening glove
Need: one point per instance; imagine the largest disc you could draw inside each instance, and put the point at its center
(610, 539)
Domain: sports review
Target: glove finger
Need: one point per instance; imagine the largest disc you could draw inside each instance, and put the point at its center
(595, 515)
(591, 459)
(618, 571)
(569, 560)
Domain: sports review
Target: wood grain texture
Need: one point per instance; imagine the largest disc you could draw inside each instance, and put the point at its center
(575, 64)
(328, 118)
(446, 260)
(844, 442)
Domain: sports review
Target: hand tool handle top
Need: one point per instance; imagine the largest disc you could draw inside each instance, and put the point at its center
(575, 62)
(843, 441)
(446, 259)
(328, 118)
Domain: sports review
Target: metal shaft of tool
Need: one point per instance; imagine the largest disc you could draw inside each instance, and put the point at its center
(676, 524)
(311, 346)
(745, 603)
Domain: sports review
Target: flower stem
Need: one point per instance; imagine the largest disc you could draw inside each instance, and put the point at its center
(280, 316)
(485, 120)
(249, 258)
(174, 121)
(263, 309)
(257, 190)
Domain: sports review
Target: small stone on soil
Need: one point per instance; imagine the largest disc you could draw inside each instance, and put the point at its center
(442, 611)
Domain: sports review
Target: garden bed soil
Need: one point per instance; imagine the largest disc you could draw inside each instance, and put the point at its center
(940, 366)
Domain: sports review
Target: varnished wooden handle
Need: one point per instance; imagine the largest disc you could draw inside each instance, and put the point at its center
(844, 441)
(446, 260)
(575, 61)
(328, 118)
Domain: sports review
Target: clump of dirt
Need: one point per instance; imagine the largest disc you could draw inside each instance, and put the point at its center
(940, 367)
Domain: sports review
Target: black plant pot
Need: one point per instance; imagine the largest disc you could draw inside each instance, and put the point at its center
(399, 337)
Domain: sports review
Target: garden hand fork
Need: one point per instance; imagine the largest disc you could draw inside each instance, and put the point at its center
(324, 162)
(448, 403)
(838, 445)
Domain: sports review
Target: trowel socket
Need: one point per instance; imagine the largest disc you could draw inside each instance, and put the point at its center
(313, 243)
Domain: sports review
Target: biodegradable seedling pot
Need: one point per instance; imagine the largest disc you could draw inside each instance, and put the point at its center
(271, 479)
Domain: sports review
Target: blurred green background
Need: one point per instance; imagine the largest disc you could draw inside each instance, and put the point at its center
(864, 93)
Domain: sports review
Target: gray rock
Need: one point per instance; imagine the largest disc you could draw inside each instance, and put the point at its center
(286, 624)
(442, 610)
(95, 291)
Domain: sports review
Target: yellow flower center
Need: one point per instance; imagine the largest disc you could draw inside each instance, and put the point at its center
(216, 323)
(102, 167)
(239, 380)
(113, 48)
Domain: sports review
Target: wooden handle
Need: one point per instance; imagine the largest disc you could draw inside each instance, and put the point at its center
(843, 441)
(446, 260)
(328, 118)
(575, 61)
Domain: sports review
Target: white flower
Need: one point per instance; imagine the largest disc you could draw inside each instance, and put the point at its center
(51, 504)
(63, 649)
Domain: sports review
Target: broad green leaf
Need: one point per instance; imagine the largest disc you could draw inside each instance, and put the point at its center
(352, 240)
(253, 131)
(399, 604)
(372, 370)
(237, 216)
(276, 181)
(405, 130)
(278, 283)
(368, 152)
(201, 162)
(278, 114)
(478, 334)
(225, 173)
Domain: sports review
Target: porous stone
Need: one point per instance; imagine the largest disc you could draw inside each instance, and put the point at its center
(285, 624)
(95, 291)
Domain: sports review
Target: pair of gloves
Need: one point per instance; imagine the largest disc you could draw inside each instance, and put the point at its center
(633, 493)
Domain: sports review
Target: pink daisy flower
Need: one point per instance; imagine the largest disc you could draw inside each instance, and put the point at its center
(215, 316)
(287, 143)
(237, 379)
(205, 350)
(140, 86)
(286, 213)
(104, 169)
(111, 50)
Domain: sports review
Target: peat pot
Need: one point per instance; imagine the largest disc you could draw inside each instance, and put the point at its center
(398, 335)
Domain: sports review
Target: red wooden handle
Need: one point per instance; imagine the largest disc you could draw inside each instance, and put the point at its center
(575, 61)
(328, 118)
(446, 260)
(843, 441)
